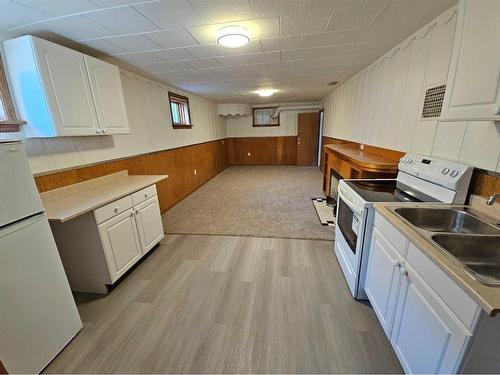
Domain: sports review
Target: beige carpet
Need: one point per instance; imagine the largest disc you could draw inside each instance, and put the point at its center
(263, 201)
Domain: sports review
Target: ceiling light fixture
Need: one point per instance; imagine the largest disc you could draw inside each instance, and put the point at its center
(265, 92)
(233, 36)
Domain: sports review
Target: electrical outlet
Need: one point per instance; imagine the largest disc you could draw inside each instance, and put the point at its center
(249, 154)
(195, 171)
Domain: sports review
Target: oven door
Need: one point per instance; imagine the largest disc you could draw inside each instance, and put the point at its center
(349, 221)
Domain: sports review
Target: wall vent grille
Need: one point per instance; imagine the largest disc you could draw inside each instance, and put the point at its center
(433, 101)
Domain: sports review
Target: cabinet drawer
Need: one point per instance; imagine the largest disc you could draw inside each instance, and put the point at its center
(144, 194)
(458, 301)
(391, 234)
(112, 209)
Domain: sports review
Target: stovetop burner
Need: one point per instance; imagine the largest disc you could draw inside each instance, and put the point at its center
(380, 191)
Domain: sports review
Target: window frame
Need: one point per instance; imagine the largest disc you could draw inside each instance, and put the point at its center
(255, 125)
(177, 98)
(10, 123)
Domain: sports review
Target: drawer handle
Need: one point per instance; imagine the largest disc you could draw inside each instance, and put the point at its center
(145, 195)
(137, 212)
(403, 272)
(117, 208)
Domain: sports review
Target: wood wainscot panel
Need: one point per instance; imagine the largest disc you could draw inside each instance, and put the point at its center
(262, 150)
(208, 159)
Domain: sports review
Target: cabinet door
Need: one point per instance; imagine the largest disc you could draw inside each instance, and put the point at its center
(120, 242)
(473, 89)
(67, 89)
(108, 96)
(149, 224)
(383, 279)
(426, 337)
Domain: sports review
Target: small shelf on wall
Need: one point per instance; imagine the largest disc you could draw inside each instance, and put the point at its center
(9, 126)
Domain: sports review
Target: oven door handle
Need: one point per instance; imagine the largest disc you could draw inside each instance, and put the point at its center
(355, 209)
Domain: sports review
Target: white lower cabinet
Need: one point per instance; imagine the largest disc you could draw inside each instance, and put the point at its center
(429, 320)
(383, 279)
(149, 224)
(426, 336)
(120, 242)
(98, 247)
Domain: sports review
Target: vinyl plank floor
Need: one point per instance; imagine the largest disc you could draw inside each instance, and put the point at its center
(225, 304)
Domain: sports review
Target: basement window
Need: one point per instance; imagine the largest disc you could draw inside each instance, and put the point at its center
(264, 117)
(179, 110)
(8, 118)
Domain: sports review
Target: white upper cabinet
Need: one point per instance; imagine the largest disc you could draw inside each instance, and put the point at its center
(108, 96)
(473, 88)
(54, 94)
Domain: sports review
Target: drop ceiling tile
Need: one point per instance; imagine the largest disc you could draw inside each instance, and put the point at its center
(172, 38)
(18, 15)
(216, 11)
(371, 34)
(250, 58)
(203, 63)
(103, 45)
(112, 3)
(76, 28)
(57, 8)
(321, 39)
(280, 65)
(258, 29)
(272, 8)
(174, 54)
(281, 43)
(134, 43)
(214, 50)
(172, 66)
(168, 14)
(122, 20)
(140, 58)
(356, 17)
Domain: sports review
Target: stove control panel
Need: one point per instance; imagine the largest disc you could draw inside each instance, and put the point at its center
(442, 172)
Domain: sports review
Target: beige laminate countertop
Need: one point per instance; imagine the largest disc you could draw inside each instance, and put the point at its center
(487, 297)
(68, 202)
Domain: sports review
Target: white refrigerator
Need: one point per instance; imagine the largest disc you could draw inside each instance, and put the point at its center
(38, 315)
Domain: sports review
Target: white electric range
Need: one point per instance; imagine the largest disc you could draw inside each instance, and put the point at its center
(420, 179)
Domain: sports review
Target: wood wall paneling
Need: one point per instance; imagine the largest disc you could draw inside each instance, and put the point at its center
(263, 150)
(208, 159)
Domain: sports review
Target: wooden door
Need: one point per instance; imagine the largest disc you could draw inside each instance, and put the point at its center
(67, 88)
(307, 138)
(426, 337)
(120, 243)
(149, 224)
(383, 279)
(107, 91)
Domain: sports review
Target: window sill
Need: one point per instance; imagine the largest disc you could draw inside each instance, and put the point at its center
(264, 125)
(182, 126)
(10, 126)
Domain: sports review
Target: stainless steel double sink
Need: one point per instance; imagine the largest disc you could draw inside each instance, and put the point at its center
(464, 234)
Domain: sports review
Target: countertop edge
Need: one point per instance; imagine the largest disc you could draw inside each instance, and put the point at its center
(154, 179)
(434, 254)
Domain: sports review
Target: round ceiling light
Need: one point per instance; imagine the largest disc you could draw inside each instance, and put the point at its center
(266, 92)
(233, 36)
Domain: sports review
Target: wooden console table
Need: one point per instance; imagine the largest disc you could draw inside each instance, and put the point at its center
(349, 161)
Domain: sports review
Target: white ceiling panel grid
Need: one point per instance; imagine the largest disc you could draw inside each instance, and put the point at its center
(296, 47)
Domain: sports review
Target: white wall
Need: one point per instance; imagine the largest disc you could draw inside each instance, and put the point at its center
(150, 125)
(242, 126)
(381, 105)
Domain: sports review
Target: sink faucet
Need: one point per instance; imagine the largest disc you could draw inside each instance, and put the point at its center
(492, 199)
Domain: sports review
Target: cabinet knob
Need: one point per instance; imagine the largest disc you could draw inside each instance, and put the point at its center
(145, 195)
(496, 111)
(403, 271)
(132, 213)
(98, 131)
(116, 209)
(396, 263)
(137, 212)
(103, 131)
